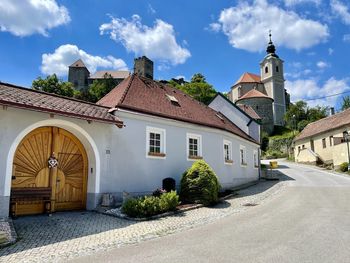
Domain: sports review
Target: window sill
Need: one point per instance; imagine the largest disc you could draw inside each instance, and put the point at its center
(191, 157)
(229, 162)
(161, 155)
(256, 166)
(244, 164)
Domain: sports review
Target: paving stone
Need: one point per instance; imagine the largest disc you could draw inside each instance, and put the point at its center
(68, 235)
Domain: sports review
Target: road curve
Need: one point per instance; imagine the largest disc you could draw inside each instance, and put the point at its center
(309, 221)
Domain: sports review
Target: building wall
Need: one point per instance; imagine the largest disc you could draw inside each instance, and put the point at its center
(236, 116)
(144, 174)
(263, 107)
(335, 154)
(78, 76)
(117, 157)
(94, 136)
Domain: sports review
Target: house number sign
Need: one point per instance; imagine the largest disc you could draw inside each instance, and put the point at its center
(52, 162)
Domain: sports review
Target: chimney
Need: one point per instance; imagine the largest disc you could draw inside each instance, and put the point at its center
(331, 111)
(143, 67)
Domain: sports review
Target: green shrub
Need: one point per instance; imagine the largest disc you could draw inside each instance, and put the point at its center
(263, 166)
(343, 167)
(150, 205)
(274, 154)
(199, 184)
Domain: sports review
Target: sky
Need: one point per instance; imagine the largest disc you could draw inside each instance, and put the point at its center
(220, 39)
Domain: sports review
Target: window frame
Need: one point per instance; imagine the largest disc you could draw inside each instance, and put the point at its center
(229, 144)
(198, 137)
(331, 141)
(324, 143)
(162, 132)
(243, 161)
(256, 159)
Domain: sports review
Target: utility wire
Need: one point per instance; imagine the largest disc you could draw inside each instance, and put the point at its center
(333, 95)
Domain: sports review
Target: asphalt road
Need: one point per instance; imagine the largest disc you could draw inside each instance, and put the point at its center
(309, 221)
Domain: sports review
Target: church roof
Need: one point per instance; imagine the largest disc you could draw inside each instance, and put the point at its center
(250, 111)
(325, 125)
(116, 74)
(24, 98)
(254, 94)
(139, 94)
(78, 64)
(249, 78)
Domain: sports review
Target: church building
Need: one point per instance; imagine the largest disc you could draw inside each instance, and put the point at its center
(265, 93)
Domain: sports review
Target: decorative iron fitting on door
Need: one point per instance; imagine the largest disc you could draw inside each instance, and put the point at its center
(53, 162)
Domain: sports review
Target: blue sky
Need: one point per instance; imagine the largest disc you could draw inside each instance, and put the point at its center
(220, 39)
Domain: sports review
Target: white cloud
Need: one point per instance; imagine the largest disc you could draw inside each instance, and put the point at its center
(330, 51)
(346, 38)
(341, 10)
(247, 26)
(65, 55)
(27, 17)
(297, 2)
(215, 27)
(157, 42)
(322, 65)
(150, 9)
(304, 89)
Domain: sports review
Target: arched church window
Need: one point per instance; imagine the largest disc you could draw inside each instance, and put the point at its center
(266, 69)
(277, 69)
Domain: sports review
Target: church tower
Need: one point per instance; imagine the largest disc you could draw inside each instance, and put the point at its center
(271, 72)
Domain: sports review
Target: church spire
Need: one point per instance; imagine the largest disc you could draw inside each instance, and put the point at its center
(271, 49)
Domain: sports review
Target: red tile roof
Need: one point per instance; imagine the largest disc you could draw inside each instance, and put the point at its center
(19, 97)
(147, 96)
(250, 111)
(254, 94)
(249, 78)
(326, 124)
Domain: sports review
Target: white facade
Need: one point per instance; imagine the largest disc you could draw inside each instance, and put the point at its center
(118, 159)
(235, 115)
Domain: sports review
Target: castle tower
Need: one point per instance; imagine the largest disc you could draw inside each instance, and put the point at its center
(78, 75)
(143, 67)
(271, 71)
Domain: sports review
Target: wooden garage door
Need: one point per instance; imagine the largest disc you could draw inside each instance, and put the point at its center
(67, 180)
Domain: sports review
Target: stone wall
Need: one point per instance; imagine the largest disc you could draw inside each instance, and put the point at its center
(263, 107)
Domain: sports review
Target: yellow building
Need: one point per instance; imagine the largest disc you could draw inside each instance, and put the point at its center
(324, 141)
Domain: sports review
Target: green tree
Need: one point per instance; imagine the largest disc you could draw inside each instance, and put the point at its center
(99, 88)
(53, 85)
(316, 113)
(198, 88)
(296, 112)
(346, 103)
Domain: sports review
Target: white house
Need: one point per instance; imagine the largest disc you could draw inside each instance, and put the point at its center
(136, 136)
(243, 116)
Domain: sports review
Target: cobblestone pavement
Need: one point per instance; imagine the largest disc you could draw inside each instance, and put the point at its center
(64, 236)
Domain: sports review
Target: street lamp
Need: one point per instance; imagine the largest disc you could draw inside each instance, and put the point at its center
(347, 139)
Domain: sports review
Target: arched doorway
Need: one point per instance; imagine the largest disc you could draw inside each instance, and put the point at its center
(66, 179)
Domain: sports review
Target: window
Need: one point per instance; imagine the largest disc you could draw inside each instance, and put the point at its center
(324, 143)
(299, 149)
(266, 69)
(242, 154)
(277, 69)
(303, 146)
(228, 152)
(194, 146)
(256, 159)
(239, 92)
(330, 140)
(155, 142)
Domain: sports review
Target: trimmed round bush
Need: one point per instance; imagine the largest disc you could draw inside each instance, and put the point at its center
(199, 184)
(343, 167)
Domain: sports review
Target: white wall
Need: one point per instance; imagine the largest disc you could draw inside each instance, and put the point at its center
(236, 116)
(132, 171)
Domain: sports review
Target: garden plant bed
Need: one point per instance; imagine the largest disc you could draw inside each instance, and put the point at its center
(179, 209)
